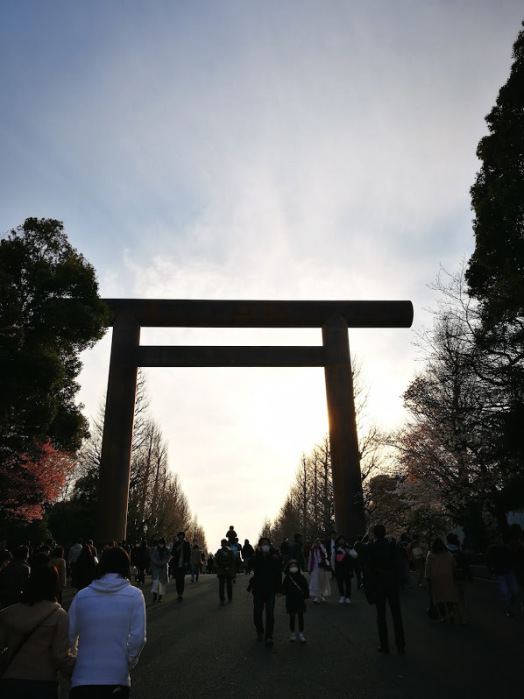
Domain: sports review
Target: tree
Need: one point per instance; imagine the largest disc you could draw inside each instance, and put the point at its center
(495, 273)
(28, 483)
(158, 505)
(50, 311)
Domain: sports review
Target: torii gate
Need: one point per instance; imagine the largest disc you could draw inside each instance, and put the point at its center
(334, 317)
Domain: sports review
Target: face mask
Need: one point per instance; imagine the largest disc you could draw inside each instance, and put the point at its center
(293, 570)
(265, 548)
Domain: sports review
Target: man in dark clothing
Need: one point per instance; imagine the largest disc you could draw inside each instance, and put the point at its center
(265, 584)
(231, 534)
(296, 551)
(500, 560)
(225, 563)
(179, 564)
(381, 574)
(247, 554)
(13, 577)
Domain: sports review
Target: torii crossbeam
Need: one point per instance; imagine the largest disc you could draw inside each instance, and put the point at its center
(333, 317)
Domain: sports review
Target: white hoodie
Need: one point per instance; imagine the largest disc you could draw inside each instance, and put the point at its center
(109, 620)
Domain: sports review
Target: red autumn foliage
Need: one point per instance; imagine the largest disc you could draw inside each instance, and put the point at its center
(29, 483)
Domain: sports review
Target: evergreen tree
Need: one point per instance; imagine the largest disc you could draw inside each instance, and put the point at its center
(50, 311)
(496, 269)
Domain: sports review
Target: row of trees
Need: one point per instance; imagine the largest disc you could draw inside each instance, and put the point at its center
(158, 505)
(309, 505)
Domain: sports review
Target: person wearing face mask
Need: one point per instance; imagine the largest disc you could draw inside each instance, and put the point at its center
(265, 584)
(296, 591)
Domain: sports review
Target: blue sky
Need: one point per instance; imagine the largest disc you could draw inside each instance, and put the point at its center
(289, 149)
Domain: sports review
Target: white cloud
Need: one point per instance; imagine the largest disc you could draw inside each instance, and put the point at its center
(270, 150)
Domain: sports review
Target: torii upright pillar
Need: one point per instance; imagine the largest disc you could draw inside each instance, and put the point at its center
(343, 440)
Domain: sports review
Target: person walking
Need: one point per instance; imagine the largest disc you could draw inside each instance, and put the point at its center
(319, 568)
(381, 576)
(440, 571)
(247, 554)
(160, 557)
(343, 557)
(225, 564)
(58, 561)
(295, 588)
(296, 551)
(108, 622)
(462, 574)
(35, 633)
(14, 577)
(500, 560)
(142, 561)
(265, 584)
(181, 555)
(417, 555)
(195, 561)
(84, 568)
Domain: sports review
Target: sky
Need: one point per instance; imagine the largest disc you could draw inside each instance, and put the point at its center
(239, 149)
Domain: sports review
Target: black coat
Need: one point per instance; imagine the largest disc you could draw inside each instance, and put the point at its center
(295, 596)
(381, 563)
(173, 563)
(267, 575)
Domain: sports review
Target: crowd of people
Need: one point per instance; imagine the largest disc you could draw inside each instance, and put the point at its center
(39, 639)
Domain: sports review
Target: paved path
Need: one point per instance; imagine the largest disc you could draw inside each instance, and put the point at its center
(198, 649)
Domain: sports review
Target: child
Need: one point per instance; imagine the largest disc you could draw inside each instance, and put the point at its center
(296, 591)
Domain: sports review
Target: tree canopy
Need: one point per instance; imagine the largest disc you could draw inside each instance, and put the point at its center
(496, 269)
(50, 311)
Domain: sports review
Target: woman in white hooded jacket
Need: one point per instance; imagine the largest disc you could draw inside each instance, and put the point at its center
(108, 621)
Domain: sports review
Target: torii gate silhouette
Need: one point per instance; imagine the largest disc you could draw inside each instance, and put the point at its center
(334, 317)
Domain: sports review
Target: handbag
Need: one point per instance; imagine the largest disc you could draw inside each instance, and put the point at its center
(7, 655)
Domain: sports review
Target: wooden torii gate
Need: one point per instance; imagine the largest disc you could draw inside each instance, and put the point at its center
(334, 317)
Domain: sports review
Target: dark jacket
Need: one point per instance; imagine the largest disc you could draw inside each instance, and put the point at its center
(247, 552)
(225, 562)
(267, 575)
(380, 562)
(462, 571)
(343, 562)
(296, 551)
(500, 559)
(13, 579)
(296, 590)
(175, 552)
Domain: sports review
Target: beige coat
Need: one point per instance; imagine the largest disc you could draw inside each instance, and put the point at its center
(439, 571)
(46, 651)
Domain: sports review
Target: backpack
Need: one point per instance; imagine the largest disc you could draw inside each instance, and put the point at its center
(224, 558)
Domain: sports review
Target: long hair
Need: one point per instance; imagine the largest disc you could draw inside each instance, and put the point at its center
(43, 584)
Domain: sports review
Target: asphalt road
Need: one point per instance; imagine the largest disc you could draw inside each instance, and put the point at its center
(198, 649)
